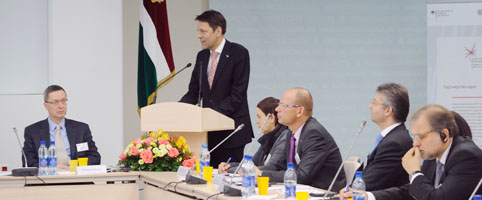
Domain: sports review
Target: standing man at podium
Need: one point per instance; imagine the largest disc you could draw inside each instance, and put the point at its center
(220, 81)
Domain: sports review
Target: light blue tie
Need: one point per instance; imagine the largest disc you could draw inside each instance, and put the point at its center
(379, 138)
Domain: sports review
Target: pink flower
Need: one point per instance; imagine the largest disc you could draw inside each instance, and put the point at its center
(188, 163)
(164, 142)
(123, 156)
(173, 152)
(148, 141)
(138, 141)
(146, 156)
(134, 151)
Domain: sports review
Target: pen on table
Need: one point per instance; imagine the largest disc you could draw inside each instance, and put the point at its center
(346, 190)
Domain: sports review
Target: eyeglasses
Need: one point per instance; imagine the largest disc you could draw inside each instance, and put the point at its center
(282, 105)
(376, 103)
(58, 102)
(421, 135)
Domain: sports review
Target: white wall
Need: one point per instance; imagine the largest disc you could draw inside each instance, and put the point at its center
(86, 59)
(93, 55)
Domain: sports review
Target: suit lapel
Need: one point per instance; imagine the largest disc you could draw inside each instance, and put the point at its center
(222, 61)
(204, 68)
(45, 132)
(71, 136)
(429, 166)
(298, 149)
(448, 162)
(389, 134)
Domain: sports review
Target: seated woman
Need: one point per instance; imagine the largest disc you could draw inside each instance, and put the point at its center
(270, 154)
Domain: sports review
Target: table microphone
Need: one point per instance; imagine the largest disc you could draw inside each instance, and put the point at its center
(228, 190)
(190, 179)
(251, 145)
(362, 125)
(475, 190)
(23, 171)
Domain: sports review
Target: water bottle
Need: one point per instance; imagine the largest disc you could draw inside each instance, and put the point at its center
(204, 160)
(358, 187)
(248, 177)
(43, 159)
(52, 170)
(290, 182)
(478, 197)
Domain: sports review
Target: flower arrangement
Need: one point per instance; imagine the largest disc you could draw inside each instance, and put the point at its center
(157, 151)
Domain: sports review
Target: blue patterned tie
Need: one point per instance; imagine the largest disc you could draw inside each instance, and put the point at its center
(379, 138)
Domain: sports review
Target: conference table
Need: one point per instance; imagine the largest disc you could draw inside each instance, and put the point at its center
(115, 185)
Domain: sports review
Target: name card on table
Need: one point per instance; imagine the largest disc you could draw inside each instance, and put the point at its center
(183, 171)
(91, 169)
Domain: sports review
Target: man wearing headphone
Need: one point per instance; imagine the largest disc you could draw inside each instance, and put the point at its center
(452, 164)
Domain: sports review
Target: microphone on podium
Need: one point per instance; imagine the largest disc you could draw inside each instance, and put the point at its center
(23, 171)
(190, 179)
(168, 79)
(199, 103)
(362, 126)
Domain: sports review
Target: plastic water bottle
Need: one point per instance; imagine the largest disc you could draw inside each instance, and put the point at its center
(248, 177)
(358, 187)
(43, 159)
(478, 197)
(290, 182)
(204, 160)
(52, 159)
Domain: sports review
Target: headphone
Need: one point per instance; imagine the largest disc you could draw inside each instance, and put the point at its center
(443, 137)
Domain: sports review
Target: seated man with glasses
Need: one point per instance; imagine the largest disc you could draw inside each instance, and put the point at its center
(452, 164)
(73, 139)
(313, 152)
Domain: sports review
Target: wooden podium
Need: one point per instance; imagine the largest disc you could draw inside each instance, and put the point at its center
(187, 120)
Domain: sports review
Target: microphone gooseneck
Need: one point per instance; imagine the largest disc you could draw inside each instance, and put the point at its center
(20, 145)
(251, 145)
(200, 84)
(237, 129)
(362, 126)
(190, 179)
(162, 83)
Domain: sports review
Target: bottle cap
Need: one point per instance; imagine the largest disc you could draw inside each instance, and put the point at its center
(42, 142)
(478, 197)
(290, 165)
(248, 157)
(52, 142)
(358, 174)
(204, 146)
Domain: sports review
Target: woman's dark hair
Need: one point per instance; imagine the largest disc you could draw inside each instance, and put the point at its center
(462, 125)
(268, 105)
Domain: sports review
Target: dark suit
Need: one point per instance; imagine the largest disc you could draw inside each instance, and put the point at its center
(228, 96)
(77, 132)
(319, 155)
(461, 174)
(384, 165)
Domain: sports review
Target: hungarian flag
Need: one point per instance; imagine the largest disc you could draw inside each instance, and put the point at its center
(155, 62)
